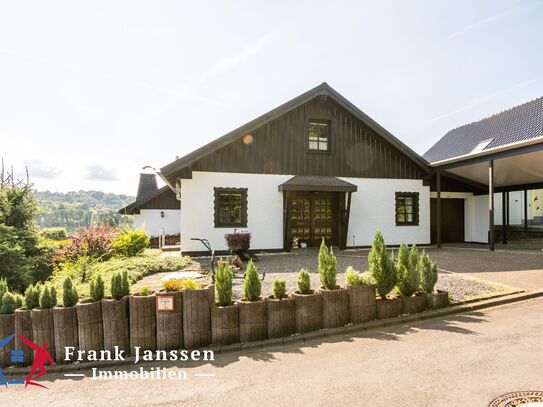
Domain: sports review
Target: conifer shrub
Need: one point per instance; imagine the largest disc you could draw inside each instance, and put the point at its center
(279, 288)
(97, 288)
(327, 267)
(47, 298)
(9, 303)
(428, 273)
(381, 267)
(223, 284)
(19, 301)
(125, 283)
(304, 282)
(3, 289)
(117, 286)
(131, 243)
(352, 277)
(145, 291)
(407, 269)
(32, 296)
(69, 293)
(252, 286)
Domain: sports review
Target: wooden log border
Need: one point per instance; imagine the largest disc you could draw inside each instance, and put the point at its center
(362, 303)
(43, 330)
(197, 317)
(66, 332)
(90, 325)
(224, 324)
(23, 326)
(281, 317)
(253, 324)
(335, 308)
(142, 322)
(116, 324)
(169, 328)
(7, 328)
(308, 311)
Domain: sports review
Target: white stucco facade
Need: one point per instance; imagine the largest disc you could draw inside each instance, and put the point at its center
(372, 206)
(153, 223)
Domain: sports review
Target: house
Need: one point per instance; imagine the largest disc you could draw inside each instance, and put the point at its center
(155, 210)
(315, 167)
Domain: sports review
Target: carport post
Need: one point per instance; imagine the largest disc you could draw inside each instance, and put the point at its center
(507, 216)
(438, 229)
(526, 212)
(504, 219)
(491, 204)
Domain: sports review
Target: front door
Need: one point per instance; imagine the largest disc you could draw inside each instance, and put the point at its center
(313, 217)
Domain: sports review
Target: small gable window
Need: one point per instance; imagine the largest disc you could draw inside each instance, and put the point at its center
(319, 135)
(407, 208)
(230, 207)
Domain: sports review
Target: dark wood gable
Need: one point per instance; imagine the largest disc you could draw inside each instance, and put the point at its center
(281, 147)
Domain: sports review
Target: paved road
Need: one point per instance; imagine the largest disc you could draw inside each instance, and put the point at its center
(462, 360)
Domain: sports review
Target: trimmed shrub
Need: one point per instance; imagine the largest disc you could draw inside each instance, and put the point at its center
(327, 267)
(3, 288)
(47, 297)
(145, 291)
(279, 288)
(125, 283)
(252, 286)
(32, 297)
(172, 285)
(428, 273)
(381, 267)
(69, 293)
(304, 282)
(117, 286)
(19, 301)
(407, 269)
(54, 233)
(190, 284)
(9, 303)
(353, 277)
(223, 284)
(131, 243)
(97, 288)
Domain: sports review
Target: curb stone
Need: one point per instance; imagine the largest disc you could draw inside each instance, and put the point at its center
(468, 306)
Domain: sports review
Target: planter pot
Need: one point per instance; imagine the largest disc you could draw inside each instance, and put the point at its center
(142, 322)
(43, 329)
(224, 324)
(197, 317)
(335, 308)
(308, 311)
(362, 303)
(389, 308)
(90, 325)
(65, 326)
(169, 324)
(437, 299)
(7, 328)
(116, 324)
(281, 317)
(23, 326)
(253, 325)
(413, 304)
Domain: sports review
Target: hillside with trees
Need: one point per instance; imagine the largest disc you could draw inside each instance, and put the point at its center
(81, 209)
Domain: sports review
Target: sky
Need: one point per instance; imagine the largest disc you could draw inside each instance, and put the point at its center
(92, 91)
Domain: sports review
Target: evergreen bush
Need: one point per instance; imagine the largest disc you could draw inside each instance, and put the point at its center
(352, 277)
(9, 303)
(279, 288)
(327, 267)
(69, 293)
(381, 267)
(97, 288)
(252, 285)
(117, 286)
(3, 289)
(428, 273)
(32, 297)
(19, 301)
(125, 284)
(304, 282)
(223, 284)
(47, 298)
(145, 291)
(131, 243)
(407, 269)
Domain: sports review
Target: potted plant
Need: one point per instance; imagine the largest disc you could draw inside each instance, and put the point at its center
(362, 299)
(65, 321)
(42, 319)
(408, 283)
(8, 304)
(428, 277)
(115, 314)
(224, 314)
(169, 322)
(335, 300)
(280, 310)
(89, 317)
(252, 308)
(239, 243)
(23, 321)
(197, 300)
(381, 268)
(307, 305)
(142, 311)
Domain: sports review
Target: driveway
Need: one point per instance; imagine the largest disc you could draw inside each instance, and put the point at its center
(461, 360)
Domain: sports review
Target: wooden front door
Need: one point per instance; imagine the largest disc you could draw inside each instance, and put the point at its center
(313, 217)
(452, 220)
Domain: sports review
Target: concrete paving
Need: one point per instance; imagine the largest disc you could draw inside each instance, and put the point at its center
(466, 360)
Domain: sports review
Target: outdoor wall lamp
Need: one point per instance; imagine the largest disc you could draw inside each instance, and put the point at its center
(161, 214)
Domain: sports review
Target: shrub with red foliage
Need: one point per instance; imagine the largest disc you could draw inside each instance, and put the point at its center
(96, 241)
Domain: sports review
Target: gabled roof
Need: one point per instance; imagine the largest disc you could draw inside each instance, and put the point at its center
(518, 124)
(312, 183)
(171, 171)
(130, 209)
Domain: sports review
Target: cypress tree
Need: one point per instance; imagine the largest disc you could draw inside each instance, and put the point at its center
(304, 282)
(428, 273)
(69, 293)
(279, 288)
(252, 285)
(408, 272)
(223, 284)
(381, 267)
(327, 267)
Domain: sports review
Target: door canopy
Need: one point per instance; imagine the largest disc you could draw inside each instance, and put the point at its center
(321, 184)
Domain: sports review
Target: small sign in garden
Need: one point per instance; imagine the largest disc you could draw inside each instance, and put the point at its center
(165, 303)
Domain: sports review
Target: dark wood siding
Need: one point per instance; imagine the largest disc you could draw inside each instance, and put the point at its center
(452, 220)
(165, 200)
(281, 147)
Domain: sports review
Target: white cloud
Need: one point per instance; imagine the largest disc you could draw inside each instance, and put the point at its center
(99, 172)
(40, 169)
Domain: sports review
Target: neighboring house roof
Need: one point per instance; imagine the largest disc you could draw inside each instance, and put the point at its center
(171, 171)
(310, 183)
(166, 203)
(518, 124)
